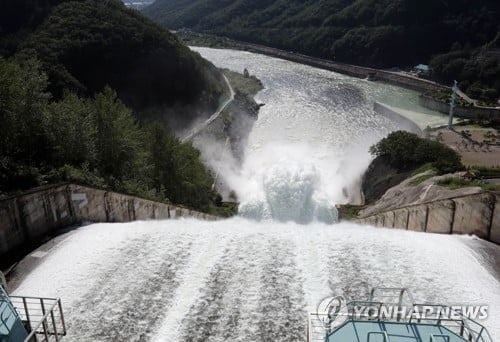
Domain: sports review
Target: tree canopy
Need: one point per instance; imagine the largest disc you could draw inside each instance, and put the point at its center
(406, 151)
(94, 141)
(86, 45)
(79, 81)
(377, 33)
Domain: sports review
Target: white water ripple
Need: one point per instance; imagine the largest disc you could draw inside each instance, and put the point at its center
(189, 280)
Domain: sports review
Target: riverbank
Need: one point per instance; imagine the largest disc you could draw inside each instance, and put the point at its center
(224, 136)
(394, 78)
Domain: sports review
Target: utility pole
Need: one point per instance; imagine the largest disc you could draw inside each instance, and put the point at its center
(453, 104)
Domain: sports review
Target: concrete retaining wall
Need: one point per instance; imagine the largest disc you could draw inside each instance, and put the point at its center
(398, 118)
(28, 218)
(477, 214)
(460, 112)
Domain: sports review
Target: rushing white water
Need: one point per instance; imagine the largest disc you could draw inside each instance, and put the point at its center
(310, 145)
(242, 280)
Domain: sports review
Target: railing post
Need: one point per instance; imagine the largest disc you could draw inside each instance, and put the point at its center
(44, 323)
(62, 316)
(54, 325)
(400, 304)
(26, 312)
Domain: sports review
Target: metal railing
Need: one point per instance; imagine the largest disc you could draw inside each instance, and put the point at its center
(321, 325)
(43, 318)
(316, 328)
(434, 338)
(384, 335)
(452, 319)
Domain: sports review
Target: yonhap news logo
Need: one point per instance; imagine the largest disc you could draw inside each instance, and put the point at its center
(341, 306)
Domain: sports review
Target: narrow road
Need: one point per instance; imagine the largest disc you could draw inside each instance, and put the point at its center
(466, 98)
(195, 131)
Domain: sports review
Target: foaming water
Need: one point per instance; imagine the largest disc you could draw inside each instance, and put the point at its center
(309, 148)
(236, 280)
(242, 280)
(286, 187)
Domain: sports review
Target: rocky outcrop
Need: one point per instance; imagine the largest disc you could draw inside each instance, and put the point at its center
(407, 193)
(380, 177)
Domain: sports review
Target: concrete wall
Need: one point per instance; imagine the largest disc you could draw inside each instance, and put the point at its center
(461, 112)
(28, 218)
(477, 214)
(398, 118)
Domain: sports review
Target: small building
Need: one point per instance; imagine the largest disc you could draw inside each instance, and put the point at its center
(421, 69)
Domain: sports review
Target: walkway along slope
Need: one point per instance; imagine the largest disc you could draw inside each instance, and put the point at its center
(28, 219)
(477, 214)
(214, 117)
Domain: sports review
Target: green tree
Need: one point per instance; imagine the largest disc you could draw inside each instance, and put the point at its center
(399, 147)
(161, 147)
(406, 150)
(23, 133)
(177, 171)
(73, 132)
(118, 138)
(195, 185)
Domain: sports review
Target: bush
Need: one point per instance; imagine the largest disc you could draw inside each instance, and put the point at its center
(406, 151)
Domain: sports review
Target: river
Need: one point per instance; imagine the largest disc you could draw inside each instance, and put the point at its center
(257, 279)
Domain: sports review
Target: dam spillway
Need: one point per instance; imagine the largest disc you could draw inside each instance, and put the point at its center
(187, 280)
(256, 280)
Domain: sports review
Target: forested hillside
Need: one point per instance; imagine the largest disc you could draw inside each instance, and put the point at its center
(379, 33)
(80, 84)
(84, 45)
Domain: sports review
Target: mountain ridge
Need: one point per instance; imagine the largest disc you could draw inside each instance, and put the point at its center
(374, 33)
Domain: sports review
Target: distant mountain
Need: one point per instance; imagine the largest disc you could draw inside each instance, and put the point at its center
(85, 45)
(377, 33)
(373, 32)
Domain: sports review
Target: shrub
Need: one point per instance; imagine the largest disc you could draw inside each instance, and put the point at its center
(406, 150)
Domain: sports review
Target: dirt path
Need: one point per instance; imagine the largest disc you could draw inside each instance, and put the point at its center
(195, 131)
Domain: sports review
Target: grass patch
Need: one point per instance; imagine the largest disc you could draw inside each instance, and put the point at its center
(486, 172)
(248, 86)
(350, 212)
(424, 168)
(419, 180)
(226, 209)
(457, 183)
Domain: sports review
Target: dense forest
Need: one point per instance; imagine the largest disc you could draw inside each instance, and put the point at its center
(84, 45)
(88, 92)
(453, 36)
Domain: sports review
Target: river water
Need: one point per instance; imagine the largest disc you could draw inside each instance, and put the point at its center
(256, 279)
